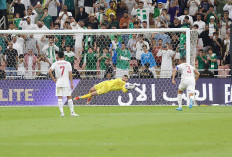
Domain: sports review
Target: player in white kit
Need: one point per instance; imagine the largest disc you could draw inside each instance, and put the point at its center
(188, 81)
(63, 72)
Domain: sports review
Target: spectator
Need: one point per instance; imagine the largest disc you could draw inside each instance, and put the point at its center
(35, 2)
(26, 24)
(123, 58)
(131, 43)
(111, 10)
(43, 66)
(32, 14)
(121, 8)
(46, 18)
(10, 57)
(52, 8)
(182, 17)
(212, 61)
(3, 11)
(158, 10)
(124, 22)
(90, 62)
(162, 20)
(81, 14)
(146, 73)
(100, 4)
(88, 4)
(17, 20)
(18, 44)
(32, 44)
(18, 8)
(166, 64)
(224, 24)
(39, 10)
(193, 6)
(113, 47)
(206, 73)
(69, 55)
(165, 38)
(31, 61)
(155, 51)
(113, 22)
(205, 38)
(63, 15)
(174, 11)
(103, 57)
(212, 26)
(71, 6)
(26, 3)
(226, 57)
(92, 21)
(147, 57)
(109, 69)
(217, 45)
(175, 24)
(211, 13)
(200, 23)
(21, 66)
(228, 7)
(138, 47)
(201, 58)
(50, 50)
(142, 12)
(130, 4)
(89, 41)
(100, 15)
(186, 23)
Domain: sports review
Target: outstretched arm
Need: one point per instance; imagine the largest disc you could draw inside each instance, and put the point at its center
(173, 75)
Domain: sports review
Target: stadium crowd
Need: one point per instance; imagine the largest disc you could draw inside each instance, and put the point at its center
(140, 55)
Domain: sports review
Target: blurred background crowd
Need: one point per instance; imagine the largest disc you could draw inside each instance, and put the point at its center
(147, 55)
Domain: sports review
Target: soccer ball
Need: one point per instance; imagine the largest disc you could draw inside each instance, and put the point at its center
(129, 86)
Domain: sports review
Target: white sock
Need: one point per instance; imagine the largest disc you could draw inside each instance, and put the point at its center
(179, 99)
(70, 104)
(60, 104)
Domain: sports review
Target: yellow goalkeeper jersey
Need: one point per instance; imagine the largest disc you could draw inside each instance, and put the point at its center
(111, 85)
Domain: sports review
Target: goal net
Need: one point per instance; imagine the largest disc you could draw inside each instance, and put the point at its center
(147, 56)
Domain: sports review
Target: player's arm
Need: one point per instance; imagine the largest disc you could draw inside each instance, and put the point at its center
(197, 74)
(174, 74)
(51, 75)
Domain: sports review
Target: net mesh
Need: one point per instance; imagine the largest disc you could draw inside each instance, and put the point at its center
(95, 57)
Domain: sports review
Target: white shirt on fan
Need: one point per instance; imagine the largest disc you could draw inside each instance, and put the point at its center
(186, 70)
(62, 69)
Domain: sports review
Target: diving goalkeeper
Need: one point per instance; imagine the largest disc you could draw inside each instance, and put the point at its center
(107, 86)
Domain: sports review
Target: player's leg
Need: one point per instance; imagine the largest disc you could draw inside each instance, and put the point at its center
(71, 107)
(190, 90)
(60, 104)
(86, 95)
(181, 88)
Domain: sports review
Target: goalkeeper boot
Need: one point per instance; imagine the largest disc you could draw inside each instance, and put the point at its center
(77, 98)
(190, 103)
(179, 109)
(74, 114)
(88, 100)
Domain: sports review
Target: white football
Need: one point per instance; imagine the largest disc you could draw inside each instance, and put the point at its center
(129, 86)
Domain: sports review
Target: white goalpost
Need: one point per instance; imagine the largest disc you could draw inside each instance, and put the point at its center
(92, 68)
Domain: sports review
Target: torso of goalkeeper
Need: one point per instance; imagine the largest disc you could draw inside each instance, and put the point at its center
(111, 85)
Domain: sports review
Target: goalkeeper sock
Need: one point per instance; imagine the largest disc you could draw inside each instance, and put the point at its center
(179, 99)
(70, 104)
(60, 104)
(85, 96)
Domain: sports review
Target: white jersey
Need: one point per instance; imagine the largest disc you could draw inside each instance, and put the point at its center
(62, 69)
(187, 71)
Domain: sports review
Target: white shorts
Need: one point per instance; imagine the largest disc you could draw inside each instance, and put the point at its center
(63, 91)
(188, 84)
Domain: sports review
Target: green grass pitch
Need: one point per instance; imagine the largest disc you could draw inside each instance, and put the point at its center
(138, 131)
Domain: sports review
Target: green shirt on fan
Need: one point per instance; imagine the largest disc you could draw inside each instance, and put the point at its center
(103, 59)
(201, 63)
(123, 58)
(91, 60)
